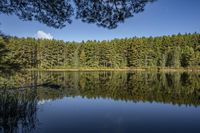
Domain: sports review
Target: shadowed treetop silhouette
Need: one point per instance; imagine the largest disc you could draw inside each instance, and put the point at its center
(108, 13)
(57, 13)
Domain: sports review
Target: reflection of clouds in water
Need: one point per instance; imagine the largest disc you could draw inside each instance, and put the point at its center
(43, 102)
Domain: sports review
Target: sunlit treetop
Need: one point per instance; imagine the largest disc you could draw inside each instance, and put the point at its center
(58, 13)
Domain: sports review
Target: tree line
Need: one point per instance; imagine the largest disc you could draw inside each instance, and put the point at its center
(176, 51)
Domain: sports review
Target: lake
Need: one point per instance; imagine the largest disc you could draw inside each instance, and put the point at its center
(100, 102)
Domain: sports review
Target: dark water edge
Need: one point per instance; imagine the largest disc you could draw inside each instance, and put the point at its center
(100, 102)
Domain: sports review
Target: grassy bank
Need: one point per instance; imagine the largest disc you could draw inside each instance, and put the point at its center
(197, 69)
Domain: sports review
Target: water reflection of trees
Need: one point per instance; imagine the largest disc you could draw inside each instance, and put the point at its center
(18, 107)
(175, 88)
(18, 111)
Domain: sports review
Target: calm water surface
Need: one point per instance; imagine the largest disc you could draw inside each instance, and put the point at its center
(100, 102)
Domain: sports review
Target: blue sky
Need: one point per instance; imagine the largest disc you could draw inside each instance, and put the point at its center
(164, 17)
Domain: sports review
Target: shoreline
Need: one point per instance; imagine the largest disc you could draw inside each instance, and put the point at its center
(120, 69)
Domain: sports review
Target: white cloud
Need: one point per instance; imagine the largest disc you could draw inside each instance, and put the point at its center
(42, 35)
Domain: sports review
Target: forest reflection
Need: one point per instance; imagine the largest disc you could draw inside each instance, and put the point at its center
(21, 93)
(175, 88)
(18, 111)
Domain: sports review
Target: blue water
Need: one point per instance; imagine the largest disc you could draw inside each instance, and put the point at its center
(76, 114)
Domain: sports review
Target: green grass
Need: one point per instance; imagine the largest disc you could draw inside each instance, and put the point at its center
(195, 69)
